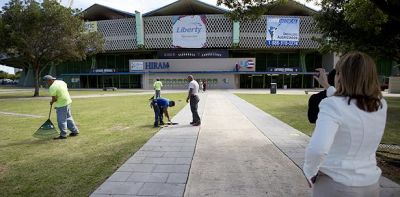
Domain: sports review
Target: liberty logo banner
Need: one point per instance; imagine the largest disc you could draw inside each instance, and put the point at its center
(189, 31)
(282, 31)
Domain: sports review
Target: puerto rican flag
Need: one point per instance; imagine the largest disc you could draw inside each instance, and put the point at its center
(250, 64)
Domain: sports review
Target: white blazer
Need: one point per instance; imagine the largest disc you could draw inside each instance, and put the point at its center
(344, 142)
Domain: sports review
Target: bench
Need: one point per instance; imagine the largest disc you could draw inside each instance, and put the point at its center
(109, 88)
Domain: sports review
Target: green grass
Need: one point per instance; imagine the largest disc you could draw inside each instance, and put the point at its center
(112, 129)
(292, 109)
(28, 93)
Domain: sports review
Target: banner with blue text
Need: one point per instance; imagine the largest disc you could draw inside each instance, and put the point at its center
(189, 31)
(282, 31)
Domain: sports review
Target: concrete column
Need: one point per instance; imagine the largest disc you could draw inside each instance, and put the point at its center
(328, 61)
(336, 58)
(53, 71)
(302, 62)
(236, 33)
(395, 69)
(145, 81)
(29, 78)
(22, 77)
(93, 65)
(139, 29)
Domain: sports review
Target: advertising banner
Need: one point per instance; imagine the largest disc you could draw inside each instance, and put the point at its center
(282, 31)
(269, 69)
(135, 66)
(190, 53)
(90, 26)
(189, 65)
(189, 31)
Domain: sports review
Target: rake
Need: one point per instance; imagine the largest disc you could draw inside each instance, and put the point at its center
(47, 130)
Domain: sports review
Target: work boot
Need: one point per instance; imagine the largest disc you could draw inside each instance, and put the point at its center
(60, 138)
(73, 134)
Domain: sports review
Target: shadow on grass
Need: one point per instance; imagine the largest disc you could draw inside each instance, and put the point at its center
(19, 97)
(26, 142)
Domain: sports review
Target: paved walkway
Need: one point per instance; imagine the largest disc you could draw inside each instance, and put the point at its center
(239, 151)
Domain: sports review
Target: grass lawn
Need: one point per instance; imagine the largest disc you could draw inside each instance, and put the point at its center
(112, 129)
(292, 109)
(28, 93)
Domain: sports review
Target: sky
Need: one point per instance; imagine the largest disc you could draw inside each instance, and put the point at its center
(132, 5)
(142, 6)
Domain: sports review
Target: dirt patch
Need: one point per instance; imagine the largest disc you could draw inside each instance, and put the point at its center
(390, 166)
(119, 128)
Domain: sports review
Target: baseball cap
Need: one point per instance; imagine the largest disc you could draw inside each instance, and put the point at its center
(49, 77)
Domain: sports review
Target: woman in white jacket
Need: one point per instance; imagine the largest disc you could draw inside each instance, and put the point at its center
(340, 159)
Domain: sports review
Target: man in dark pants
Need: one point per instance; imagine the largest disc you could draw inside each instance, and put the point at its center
(315, 99)
(160, 107)
(194, 100)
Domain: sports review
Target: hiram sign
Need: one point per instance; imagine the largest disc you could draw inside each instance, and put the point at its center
(156, 65)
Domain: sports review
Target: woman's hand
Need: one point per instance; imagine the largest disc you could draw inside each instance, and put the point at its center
(322, 78)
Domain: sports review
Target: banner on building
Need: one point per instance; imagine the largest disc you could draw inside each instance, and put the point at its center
(189, 31)
(283, 31)
(190, 54)
(194, 65)
(135, 66)
(90, 26)
(270, 69)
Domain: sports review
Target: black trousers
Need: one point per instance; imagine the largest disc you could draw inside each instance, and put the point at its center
(194, 101)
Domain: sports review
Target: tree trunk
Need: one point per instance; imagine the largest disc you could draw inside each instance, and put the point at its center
(36, 71)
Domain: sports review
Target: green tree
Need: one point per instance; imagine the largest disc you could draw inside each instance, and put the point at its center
(43, 34)
(371, 26)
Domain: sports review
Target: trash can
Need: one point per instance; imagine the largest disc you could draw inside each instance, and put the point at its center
(273, 88)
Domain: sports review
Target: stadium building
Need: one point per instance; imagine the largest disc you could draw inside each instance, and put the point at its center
(192, 37)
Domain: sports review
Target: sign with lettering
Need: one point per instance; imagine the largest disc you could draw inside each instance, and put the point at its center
(189, 65)
(283, 69)
(282, 31)
(90, 26)
(135, 66)
(156, 65)
(188, 54)
(189, 31)
(103, 70)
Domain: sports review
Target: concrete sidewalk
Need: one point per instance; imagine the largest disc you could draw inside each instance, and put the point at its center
(239, 150)
(161, 166)
(290, 141)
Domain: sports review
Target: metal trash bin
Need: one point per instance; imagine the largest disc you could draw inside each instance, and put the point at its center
(273, 88)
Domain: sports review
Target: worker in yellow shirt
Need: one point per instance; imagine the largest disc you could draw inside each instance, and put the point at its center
(58, 91)
(157, 87)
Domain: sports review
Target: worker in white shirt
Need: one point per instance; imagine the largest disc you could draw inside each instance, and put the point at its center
(194, 100)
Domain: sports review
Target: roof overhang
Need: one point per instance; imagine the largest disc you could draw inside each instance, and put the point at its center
(98, 12)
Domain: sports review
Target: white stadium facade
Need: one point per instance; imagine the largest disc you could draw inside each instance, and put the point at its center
(192, 37)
